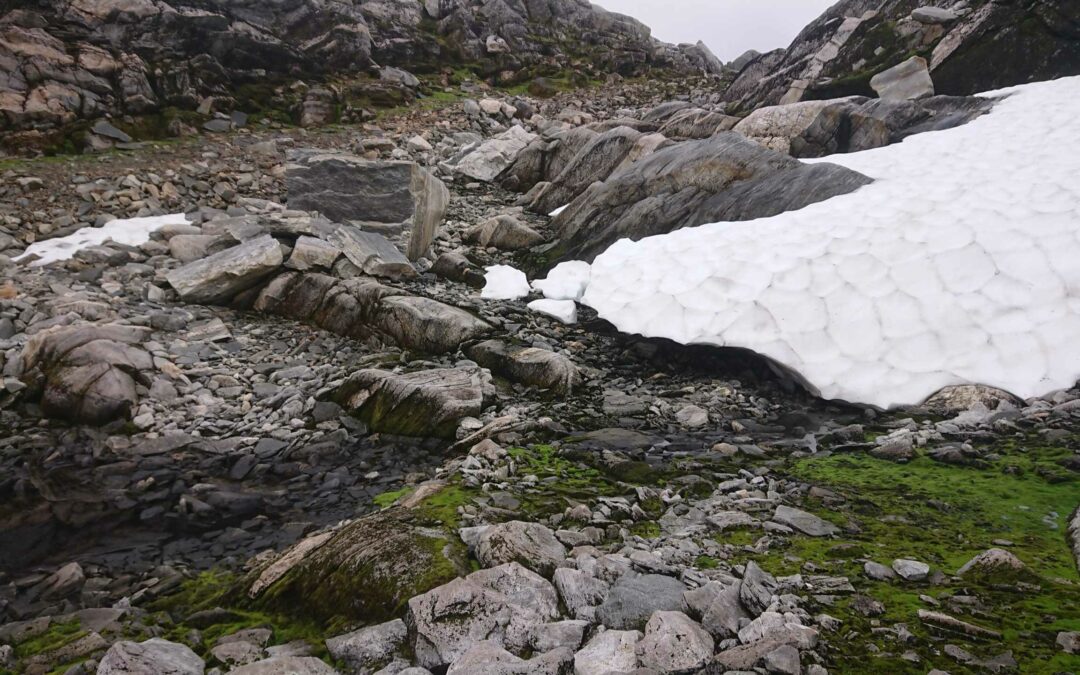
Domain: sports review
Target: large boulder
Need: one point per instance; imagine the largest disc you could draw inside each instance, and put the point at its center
(815, 128)
(905, 81)
(151, 657)
(545, 157)
(487, 161)
(674, 643)
(528, 365)
(90, 371)
(401, 200)
(723, 178)
(634, 597)
(219, 278)
(364, 309)
(530, 544)
(424, 403)
(697, 123)
(504, 232)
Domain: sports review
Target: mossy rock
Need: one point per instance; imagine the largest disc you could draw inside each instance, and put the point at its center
(363, 573)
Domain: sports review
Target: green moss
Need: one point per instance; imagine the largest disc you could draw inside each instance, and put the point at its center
(387, 499)
(58, 635)
(646, 529)
(705, 562)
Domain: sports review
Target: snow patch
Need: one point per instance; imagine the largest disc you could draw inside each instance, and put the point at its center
(127, 231)
(563, 310)
(959, 264)
(558, 211)
(503, 282)
(566, 281)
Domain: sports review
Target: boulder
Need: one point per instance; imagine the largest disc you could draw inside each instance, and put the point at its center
(546, 157)
(723, 178)
(491, 158)
(581, 592)
(372, 253)
(504, 232)
(815, 128)
(424, 403)
(804, 522)
(725, 613)
(911, 570)
(455, 266)
(994, 562)
(904, 81)
(528, 365)
(632, 600)
(695, 123)
(311, 253)
(219, 278)
(530, 544)
(370, 648)
(401, 200)
(609, 651)
(757, 588)
(286, 665)
(151, 657)
(674, 643)
(489, 658)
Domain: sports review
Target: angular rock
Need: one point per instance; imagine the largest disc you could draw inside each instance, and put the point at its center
(455, 266)
(911, 570)
(312, 253)
(506, 233)
(582, 593)
(389, 197)
(674, 643)
(804, 522)
(425, 403)
(950, 624)
(725, 613)
(904, 81)
(559, 635)
(696, 123)
(221, 277)
(610, 651)
(489, 658)
(152, 657)
(756, 589)
(528, 365)
(369, 648)
(488, 161)
(992, 562)
(634, 597)
(286, 665)
(530, 544)
(373, 253)
(815, 128)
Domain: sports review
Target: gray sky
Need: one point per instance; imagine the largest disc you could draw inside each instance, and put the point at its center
(729, 27)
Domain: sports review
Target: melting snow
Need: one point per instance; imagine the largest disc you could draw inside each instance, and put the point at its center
(503, 282)
(127, 231)
(567, 281)
(959, 264)
(563, 310)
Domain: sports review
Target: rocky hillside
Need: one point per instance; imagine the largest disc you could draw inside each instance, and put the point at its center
(973, 46)
(69, 60)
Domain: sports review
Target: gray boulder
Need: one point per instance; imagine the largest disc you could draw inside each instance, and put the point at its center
(634, 597)
(369, 648)
(504, 232)
(723, 178)
(610, 651)
(725, 613)
(491, 158)
(581, 592)
(219, 278)
(401, 200)
(455, 266)
(311, 253)
(815, 128)
(425, 403)
(674, 643)
(533, 366)
(372, 253)
(530, 544)
(804, 522)
(490, 658)
(904, 81)
(757, 588)
(694, 123)
(152, 657)
(286, 665)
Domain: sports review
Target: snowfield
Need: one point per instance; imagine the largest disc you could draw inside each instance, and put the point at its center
(127, 231)
(959, 264)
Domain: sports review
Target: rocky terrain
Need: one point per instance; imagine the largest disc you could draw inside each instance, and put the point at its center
(308, 417)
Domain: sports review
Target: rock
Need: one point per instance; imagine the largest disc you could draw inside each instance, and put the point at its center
(674, 643)
(530, 544)
(696, 123)
(504, 232)
(804, 522)
(784, 660)
(222, 276)
(488, 161)
(934, 15)
(730, 520)
(815, 128)
(398, 76)
(961, 398)
(64, 582)
(725, 613)
(634, 597)
(452, 618)
(237, 653)
(911, 570)
(424, 403)
(456, 267)
(529, 365)
(992, 562)
(286, 665)
(369, 648)
(907, 80)
(723, 178)
(1069, 641)
(152, 657)
(692, 417)
(488, 657)
(878, 572)
(103, 128)
(312, 253)
(610, 651)
(90, 371)
(756, 589)
(389, 197)
(581, 593)
(949, 624)
(559, 635)
(191, 247)
(372, 253)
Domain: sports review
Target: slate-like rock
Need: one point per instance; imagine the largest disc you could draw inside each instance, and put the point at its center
(368, 648)
(373, 253)
(219, 278)
(804, 522)
(816, 128)
(674, 643)
(492, 157)
(634, 597)
(904, 81)
(151, 657)
(528, 365)
(530, 544)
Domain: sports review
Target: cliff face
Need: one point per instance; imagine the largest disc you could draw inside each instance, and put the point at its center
(971, 47)
(64, 60)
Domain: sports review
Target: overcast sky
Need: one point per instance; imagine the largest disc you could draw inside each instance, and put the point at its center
(729, 27)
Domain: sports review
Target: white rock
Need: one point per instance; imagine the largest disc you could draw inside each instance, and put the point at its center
(613, 651)
(673, 642)
(911, 570)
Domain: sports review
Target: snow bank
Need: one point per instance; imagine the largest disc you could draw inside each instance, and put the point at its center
(960, 264)
(563, 310)
(502, 282)
(128, 231)
(566, 281)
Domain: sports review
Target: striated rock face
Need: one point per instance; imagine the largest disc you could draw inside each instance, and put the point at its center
(984, 46)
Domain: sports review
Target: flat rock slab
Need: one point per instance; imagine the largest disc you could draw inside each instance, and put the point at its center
(152, 657)
(428, 403)
(372, 253)
(804, 522)
(904, 81)
(221, 277)
(528, 365)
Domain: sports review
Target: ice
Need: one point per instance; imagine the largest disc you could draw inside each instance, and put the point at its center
(503, 282)
(558, 210)
(566, 281)
(127, 231)
(959, 264)
(563, 310)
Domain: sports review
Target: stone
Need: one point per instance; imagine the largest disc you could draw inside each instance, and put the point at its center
(368, 648)
(237, 653)
(815, 128)
(222, 276)
(610, 651)
(950, 624)
(372, 253)
(723, 178)
(804, 522)
(731, 520)
(423, 403)
(107, 130)
(992, 562)
(558, 635)
(312, 253)
(1069, 641)
(504, 232)
(581, 592)
(455, 266)
(756, 589)
(398, 76)
(389, 197)
(286, 665)
(528, 365)
(911, 570)
(904, 81)
(151, 657)
(64, 582)
(934, 15)
(530, 544)
(488, 657)
(674, 643)
(784, 660)
(724, 615)
(634, 597)
(877, 571)
(492, 157)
